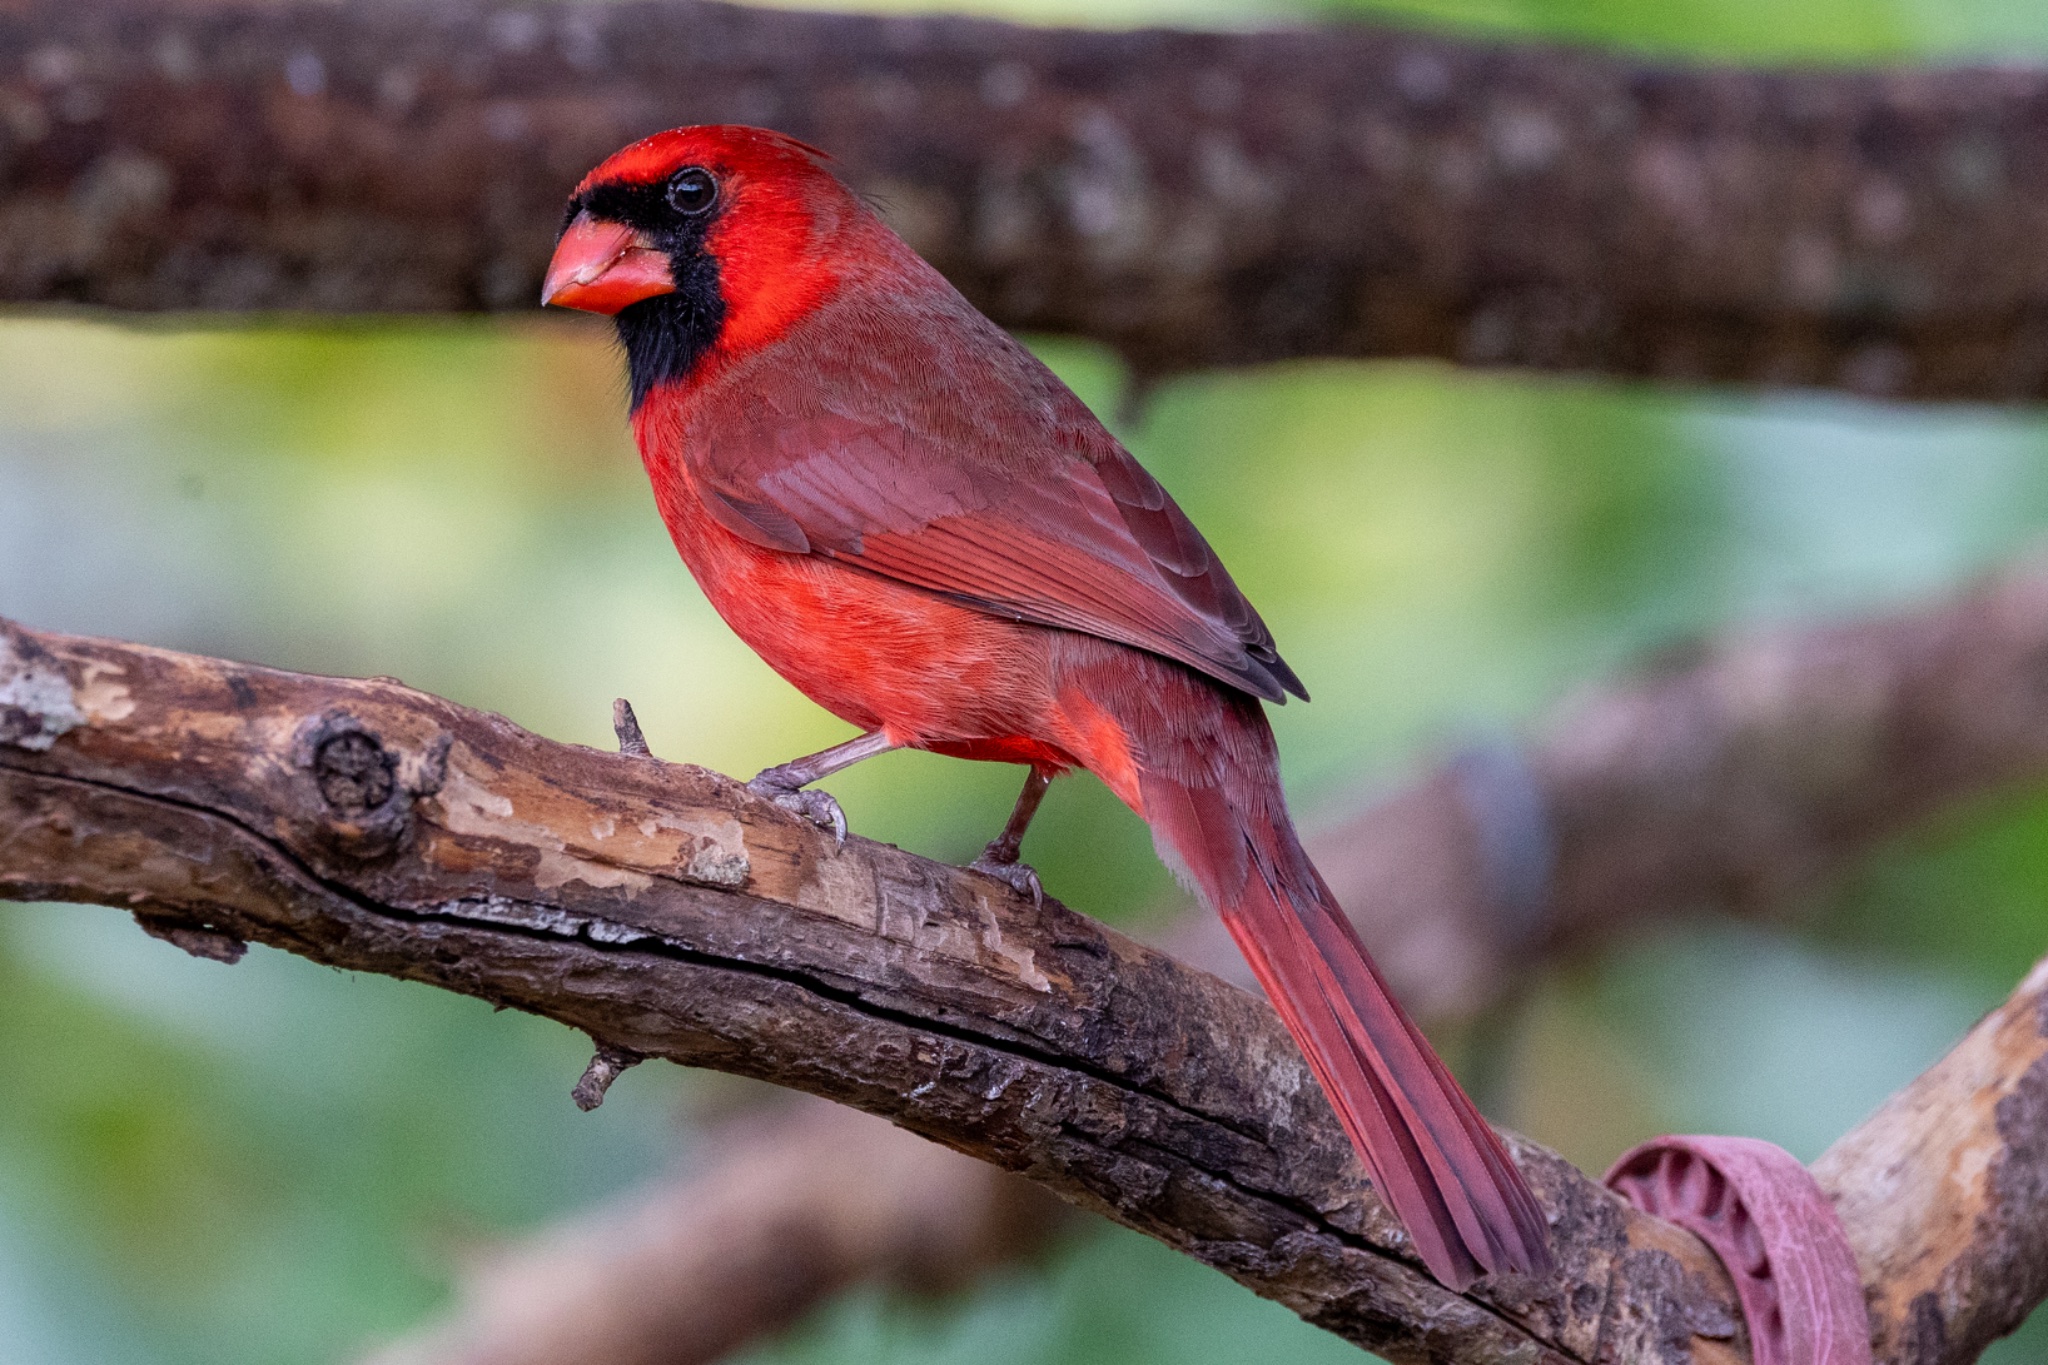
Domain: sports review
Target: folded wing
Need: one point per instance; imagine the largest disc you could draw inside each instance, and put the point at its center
(951, 459)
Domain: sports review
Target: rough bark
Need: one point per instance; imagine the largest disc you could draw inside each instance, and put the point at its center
(667, 912)
(1193, 199)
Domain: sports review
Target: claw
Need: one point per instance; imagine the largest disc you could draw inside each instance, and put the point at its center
(818, 807)
(1019, 877)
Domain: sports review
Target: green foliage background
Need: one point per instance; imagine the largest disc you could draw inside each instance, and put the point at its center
(280, 1163)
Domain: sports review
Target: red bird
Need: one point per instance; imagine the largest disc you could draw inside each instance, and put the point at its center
(907, 515)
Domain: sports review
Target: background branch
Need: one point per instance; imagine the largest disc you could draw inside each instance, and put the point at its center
(1734, 777)
(1192, 199)
(1737, 775)
(799, 1201)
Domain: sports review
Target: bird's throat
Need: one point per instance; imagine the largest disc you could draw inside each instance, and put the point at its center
(664, 337)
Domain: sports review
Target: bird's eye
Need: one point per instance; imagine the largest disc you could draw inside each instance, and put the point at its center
(691, 190)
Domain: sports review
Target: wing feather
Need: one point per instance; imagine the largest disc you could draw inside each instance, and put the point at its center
(952, 460)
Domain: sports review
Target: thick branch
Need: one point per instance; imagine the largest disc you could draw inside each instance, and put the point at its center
(1737, 778)
(1192, 199)
(662, 909)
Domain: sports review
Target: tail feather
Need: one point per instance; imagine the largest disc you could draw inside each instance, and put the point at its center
(1436, 1162)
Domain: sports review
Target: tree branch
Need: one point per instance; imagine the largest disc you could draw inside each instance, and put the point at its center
(800, 1201)
(1944, 1191)
(1737, 776)
(1193, 199)
(662, 909)
(665, 911)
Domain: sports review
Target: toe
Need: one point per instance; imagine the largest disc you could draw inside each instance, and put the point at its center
(1019, 877)
(820, 808)
(826, 811)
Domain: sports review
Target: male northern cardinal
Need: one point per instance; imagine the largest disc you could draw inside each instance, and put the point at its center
(913, 521)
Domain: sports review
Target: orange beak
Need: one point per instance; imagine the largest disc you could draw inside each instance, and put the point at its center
(603, 267)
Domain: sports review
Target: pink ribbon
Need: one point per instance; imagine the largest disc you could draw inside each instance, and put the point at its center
(1766, 1218)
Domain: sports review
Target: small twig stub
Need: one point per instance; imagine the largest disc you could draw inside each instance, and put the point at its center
(626, 726)
(606, 1066)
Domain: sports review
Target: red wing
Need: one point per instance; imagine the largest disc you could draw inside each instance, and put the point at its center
(990, 483)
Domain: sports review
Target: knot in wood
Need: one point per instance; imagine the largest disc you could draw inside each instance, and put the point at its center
(364, 806)
(354, 772)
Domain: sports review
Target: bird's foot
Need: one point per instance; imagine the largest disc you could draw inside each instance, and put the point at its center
(1019, 877)
(818, 807)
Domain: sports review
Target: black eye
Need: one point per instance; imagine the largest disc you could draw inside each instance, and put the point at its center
(691, 190)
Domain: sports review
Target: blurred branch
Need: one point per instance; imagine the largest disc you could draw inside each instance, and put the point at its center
(799, 1201)
(1736, 778)
(667, 912)
(1192, 199)
(1736, 775)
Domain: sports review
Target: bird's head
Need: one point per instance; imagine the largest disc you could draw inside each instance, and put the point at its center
(716, 236)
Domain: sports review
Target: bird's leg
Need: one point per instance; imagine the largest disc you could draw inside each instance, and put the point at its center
(784, 784)
(1003, 849)
(999, 859)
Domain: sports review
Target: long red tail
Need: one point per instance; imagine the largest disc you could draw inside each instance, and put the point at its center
(1216, 809)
